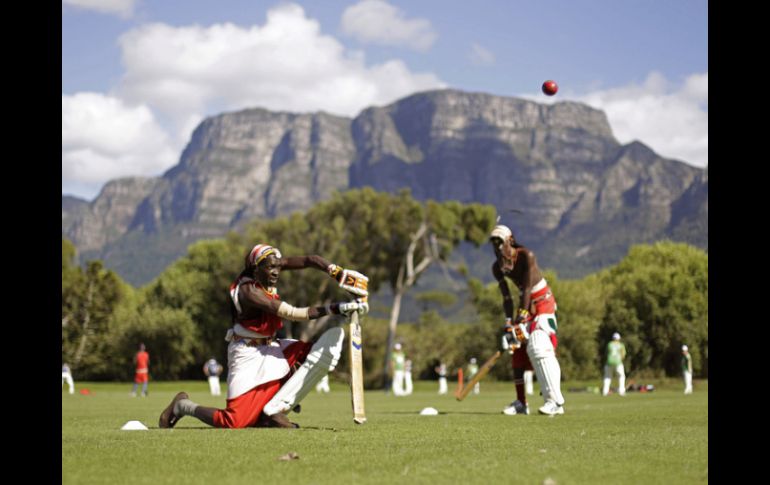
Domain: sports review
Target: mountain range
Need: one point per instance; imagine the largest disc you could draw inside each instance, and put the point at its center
(555, 172)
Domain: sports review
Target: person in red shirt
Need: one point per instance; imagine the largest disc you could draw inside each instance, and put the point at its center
(142, 375)
(261, 387)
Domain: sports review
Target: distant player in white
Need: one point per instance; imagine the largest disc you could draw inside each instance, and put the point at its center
(398, 363)
(473, 368)
(528, 382)
(408, 377)
(213, 369)
(66, 375)
(441, 370)
(616, 352)
(323, 384)
(687, 369)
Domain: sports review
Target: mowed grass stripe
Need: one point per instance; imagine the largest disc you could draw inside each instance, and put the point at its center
(658, 437)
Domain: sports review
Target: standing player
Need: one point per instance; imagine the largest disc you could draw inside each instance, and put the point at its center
(687, 369)
(66, 376)
(398, 364)
(213, 369)
(528, 382)
(261, 388)
(441, 371)
(616, 352)
(408, 386)
(534, 328)
(142, 373)
(323, 385)
(473, 368)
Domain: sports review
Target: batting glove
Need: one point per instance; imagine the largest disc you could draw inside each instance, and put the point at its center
(349, 307)
(350, 280)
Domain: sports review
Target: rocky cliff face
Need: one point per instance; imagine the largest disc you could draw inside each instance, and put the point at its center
(583, 197)
(109, 216)
(509, 152)
(249, 164)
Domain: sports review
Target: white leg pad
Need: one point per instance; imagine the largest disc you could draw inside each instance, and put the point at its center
(543, 357)
(621, 380)
(321, 360)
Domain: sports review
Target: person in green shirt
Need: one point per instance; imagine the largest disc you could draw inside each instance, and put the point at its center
(687, 369)
(616, 352)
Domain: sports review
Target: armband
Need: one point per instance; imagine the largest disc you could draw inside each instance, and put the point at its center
(293, 313)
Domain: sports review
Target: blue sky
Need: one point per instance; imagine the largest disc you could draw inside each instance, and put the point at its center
(139, 75)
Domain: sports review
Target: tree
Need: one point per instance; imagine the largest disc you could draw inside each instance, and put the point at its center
(658, 300)
(89, 298)
(581, 306)
(197, 285)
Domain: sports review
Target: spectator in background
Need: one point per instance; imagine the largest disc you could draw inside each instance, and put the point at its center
(323, 385)
(441, 371)
(473, 368)
(213, 370)
(142, 374)
(398, 365)
(687, 369)
(616, 352)
(408, 377)
(66, 375)
(528, 381)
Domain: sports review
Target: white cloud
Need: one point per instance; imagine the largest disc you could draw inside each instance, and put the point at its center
(103, 138)
(121, 8)
(480, 56)
(378, 22)
(174, 76)
(672, 119)
(287, 64)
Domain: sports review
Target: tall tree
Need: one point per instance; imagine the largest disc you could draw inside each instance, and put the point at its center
(658, 299)
(89, 297)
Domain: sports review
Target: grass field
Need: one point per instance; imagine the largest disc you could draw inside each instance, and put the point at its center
(658, 437)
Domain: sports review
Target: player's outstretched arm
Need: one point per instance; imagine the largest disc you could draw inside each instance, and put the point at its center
(349, 280)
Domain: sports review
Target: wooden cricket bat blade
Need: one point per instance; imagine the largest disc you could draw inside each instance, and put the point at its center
(478, 376)
(356, 370)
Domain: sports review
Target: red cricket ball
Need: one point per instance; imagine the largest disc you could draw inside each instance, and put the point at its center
(550, 87)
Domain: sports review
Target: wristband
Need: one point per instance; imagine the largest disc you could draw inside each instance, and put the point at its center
(333, 270)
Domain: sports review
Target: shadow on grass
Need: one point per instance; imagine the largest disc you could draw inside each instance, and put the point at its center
(198, 428)
(442, 412)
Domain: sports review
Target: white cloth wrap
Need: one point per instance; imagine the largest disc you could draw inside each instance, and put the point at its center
(250, 366)
(293, 313)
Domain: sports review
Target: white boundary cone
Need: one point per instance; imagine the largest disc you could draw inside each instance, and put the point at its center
(134, 426)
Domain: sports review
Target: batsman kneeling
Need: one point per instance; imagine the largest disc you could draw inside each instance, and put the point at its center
(261, 387)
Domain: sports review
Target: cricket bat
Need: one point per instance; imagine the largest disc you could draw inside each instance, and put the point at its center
(356, 370)
(460, 394)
